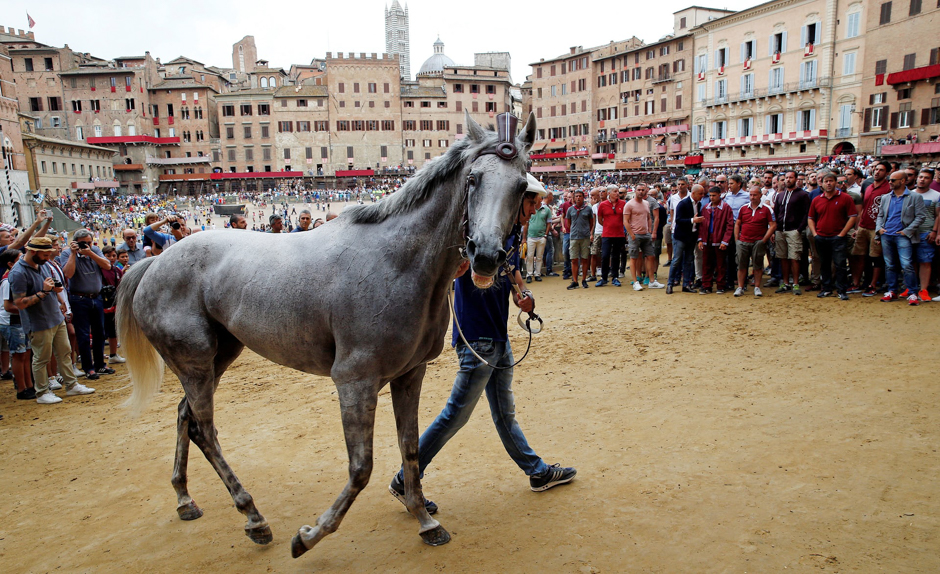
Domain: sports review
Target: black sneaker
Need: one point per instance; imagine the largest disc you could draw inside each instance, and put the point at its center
(397, 489)
(574, 285)
(538, 277)
(822, 294)
(784, 288)
(844, 296)
(27, 395)
(592, 278)
(92, 376)
(584, 284)
(106, 371)
(555, 475)
(7, 376)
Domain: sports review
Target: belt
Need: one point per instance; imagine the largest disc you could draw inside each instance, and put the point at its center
(85, 295)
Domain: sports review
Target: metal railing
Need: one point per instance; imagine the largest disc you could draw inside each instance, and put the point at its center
(663, 78)
(787, 88)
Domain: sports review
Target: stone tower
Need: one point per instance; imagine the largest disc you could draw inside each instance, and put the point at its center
(396, 36)
(244, 55)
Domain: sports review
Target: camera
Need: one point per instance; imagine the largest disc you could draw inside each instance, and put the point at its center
(83, 244)
(175, 224)
(56, 283)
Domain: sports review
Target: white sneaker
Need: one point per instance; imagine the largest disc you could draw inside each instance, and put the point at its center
(78, 372)
(656, 285)
(48, 398)
(54, 385)
(116, 359)
(79, 389)
(738, 292)
(936, 299)
(637, 286)
(757, 292)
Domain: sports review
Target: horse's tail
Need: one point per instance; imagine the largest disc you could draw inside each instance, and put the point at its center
(145, 365)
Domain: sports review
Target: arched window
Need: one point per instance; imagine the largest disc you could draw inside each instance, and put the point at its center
(264, 82)
(273, 82)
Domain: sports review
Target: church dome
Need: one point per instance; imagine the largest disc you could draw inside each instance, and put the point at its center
(436, 63)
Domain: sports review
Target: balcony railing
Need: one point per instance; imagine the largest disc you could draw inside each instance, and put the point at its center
(662, 78)
(843, 132)
(767, 92)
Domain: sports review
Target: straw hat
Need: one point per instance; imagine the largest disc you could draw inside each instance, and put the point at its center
(40, 244)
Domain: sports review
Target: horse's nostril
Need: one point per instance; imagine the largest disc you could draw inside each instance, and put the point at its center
(500, 257)
(471, 248)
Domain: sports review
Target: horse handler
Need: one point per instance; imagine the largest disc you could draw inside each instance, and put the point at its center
(482, 315)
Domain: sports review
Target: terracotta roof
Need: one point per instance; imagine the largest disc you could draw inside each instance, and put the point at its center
(90, 71)
(422, 92)
(60, 141)
(301, 91)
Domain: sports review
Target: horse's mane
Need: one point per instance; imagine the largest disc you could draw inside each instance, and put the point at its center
(419, 187)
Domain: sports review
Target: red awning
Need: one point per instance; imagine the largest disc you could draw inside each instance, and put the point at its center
(255, 174)
(353, 172)
(906, 76)
(133, 140)
(694, 159)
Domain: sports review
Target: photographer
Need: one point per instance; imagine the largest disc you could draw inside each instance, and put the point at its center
(82, 264)
(159, 240)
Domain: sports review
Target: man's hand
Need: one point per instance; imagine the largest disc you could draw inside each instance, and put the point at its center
(526, 302)
(723, 247)
(698, 219)
(700, 246)
(464, 265)
(48, 284)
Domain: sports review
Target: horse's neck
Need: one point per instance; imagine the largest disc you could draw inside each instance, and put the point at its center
(443, 219)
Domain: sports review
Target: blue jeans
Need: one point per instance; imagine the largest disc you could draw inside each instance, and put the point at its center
(472, 378)
(683, 263)
(549, 253)
(566, 246)
(899, 256)
(88, 320)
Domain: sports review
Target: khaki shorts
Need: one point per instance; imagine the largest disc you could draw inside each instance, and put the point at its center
(596, 245)
(667, 231)
(580, 249)
(789, 244)
(750, 254)
(865, 243)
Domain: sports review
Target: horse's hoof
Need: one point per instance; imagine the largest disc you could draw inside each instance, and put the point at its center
(189, 511)
(260, 534)
(436, 536)
(297, 546)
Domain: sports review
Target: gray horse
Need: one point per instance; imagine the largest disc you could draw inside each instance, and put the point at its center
(362, 299)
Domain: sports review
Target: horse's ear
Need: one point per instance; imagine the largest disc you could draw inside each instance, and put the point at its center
(527, 135)
(474, 129)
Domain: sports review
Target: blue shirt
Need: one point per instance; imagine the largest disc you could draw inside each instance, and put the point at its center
(87, 276)
(483, 313)
(26, 281)
(133, 255)
(736, 201)
(158, 238)
(893, 224)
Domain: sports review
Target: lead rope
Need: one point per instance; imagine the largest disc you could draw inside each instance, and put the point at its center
(450, 299)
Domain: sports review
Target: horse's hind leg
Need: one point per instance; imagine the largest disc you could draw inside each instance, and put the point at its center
(202, 432)
(357, 402)
(186, 506)
(406, 391)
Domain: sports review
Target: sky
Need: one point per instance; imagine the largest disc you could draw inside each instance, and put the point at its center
(296, 32)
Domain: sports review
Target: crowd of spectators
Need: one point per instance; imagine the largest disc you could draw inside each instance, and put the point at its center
(845, 225)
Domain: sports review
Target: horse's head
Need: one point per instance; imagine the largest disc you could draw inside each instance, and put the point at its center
(496, 184)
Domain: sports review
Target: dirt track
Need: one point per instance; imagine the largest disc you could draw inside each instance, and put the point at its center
(711, 434)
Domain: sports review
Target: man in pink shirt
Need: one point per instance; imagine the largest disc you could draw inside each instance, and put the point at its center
(641, 225)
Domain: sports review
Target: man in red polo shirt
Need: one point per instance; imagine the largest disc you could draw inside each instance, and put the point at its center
(831, 217)
(865, 244)
(610, 217)
(753, 229)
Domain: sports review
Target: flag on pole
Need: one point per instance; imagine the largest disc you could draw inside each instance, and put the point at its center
(31, 21)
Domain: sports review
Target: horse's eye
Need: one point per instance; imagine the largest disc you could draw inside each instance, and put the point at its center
(471, 179)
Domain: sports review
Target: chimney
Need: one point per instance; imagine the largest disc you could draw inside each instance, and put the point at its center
(573, 48)
(30, 35)
(329, 55)
(362, 55)
(20, 33)
(373, 55)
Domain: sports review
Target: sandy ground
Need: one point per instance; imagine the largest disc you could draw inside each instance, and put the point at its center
(781, 434)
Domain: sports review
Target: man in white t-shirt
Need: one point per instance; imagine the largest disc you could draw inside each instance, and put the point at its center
(597, 196)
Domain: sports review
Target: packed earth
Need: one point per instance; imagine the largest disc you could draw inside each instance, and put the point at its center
(710, 434)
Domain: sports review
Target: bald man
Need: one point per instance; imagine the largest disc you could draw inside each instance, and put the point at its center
(135, 251)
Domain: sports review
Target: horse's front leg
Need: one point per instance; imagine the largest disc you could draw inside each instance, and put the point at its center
(357, 401)
(406, 392)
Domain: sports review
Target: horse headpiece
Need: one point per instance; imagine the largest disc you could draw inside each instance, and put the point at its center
(505, 147)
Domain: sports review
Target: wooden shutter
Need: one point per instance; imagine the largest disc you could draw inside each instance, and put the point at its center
(885, 110)
(871, 99)
(925, 117)
(894, 120)
(867, 123)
